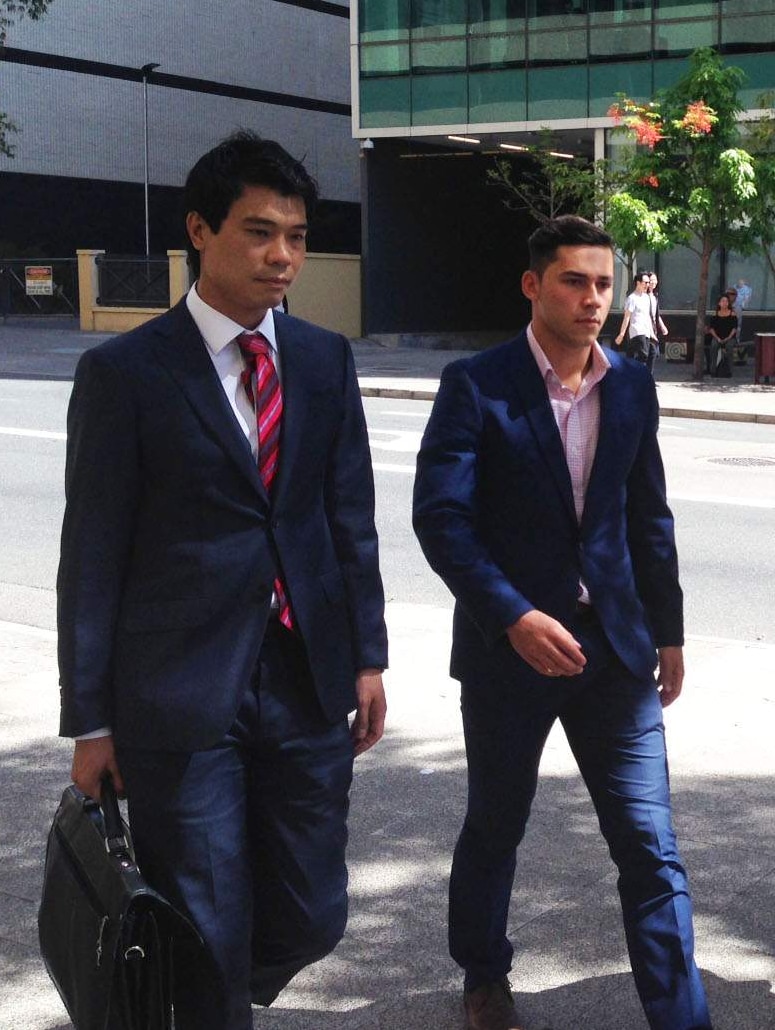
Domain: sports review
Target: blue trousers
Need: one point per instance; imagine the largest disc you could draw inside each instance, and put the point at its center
(613, 722)
(249, 839)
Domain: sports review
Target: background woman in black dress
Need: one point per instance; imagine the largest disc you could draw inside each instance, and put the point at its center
(721, 336)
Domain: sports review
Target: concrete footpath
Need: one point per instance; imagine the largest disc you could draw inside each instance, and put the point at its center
(392, 971)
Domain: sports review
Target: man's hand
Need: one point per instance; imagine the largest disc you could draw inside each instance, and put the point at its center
(369, 722)
(546, 645)
(671, 674)
(93, 759)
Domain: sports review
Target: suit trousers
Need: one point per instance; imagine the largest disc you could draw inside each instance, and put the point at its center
(613, 722)
(249, 838)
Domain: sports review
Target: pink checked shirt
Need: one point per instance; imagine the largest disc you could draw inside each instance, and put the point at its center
(578, 419)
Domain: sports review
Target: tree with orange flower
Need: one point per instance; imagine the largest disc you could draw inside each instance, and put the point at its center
(690, 168)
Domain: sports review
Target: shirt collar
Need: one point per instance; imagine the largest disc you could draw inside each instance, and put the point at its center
(599, 367)
(218, 330)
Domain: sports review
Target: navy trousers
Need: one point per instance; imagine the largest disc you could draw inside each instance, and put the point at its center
(249, 838)
(613, 723)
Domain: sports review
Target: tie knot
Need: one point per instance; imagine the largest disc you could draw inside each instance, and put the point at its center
(253, 345)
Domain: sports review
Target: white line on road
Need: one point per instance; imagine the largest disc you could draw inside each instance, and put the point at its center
(741, 502)
(383, 466)
(38, 434)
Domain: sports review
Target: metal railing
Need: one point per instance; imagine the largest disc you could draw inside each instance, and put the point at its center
(126, 281)
(38, 286)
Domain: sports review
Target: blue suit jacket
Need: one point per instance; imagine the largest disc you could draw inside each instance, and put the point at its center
(494, 508)
(170, 544)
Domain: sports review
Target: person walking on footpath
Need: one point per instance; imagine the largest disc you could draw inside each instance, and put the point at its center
(639, 323)
(540, 501)
(660, 329)
(220, 603)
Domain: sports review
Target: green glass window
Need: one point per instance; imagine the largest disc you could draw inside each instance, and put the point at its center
(557, 47)
(496, 16)
(747, 7)
(431, 18)
(667, 73)
(439, 55)
(606, 80)
(385, 59)
(497, 96)
(385, 103)
(383, 19)
(760, 71)
(557, 93)
(556, 14)
(682, 37)
(624, 39)
(667, 9)
(495, 51)
(439, 99)
(619, 12)
(758, 31)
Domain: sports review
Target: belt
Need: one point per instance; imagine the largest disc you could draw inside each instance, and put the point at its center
(584, 611)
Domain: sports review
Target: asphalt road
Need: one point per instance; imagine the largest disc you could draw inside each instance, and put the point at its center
(721, 481)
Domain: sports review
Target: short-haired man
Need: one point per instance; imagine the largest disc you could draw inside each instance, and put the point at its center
(639, 322)
(220, 603)
(540, 501)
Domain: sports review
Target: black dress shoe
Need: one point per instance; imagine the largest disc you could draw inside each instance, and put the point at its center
(491, 1007)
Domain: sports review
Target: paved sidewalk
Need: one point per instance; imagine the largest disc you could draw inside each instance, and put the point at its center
(392, 971)
(50, 348)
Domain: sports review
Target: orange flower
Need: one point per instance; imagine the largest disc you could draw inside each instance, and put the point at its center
(649, 180)
(699, 118)
(647, 132)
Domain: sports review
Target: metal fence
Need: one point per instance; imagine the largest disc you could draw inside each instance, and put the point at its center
(38, 286)
(125, 281)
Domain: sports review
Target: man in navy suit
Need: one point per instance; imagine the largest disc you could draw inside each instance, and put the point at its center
(220, 602)
(540, 500)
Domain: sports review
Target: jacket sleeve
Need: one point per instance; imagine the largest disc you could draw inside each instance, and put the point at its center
(101, 478)
(651, 536)
(445, 513)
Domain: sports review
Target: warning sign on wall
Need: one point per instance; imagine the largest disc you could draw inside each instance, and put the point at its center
(39, 280)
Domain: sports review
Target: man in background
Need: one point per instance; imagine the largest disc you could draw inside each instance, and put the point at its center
(638, 323)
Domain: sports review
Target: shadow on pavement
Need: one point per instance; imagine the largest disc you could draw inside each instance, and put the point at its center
(392, 971)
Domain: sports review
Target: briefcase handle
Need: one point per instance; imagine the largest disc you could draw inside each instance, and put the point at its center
(115, 835)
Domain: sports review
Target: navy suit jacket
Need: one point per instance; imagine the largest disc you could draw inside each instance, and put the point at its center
(170, 544)
(495, 516)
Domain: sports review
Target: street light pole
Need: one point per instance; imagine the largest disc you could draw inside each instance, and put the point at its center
(146, 70)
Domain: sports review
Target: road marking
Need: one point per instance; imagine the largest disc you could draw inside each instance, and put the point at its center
(383, 466)
(38, 434)
(740, 502)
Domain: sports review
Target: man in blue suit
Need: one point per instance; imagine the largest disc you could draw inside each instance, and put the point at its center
(220, 602)
(540, 501)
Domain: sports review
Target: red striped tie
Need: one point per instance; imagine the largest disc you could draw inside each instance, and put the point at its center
(267, 399)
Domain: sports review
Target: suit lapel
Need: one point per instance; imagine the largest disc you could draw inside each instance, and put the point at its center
(538, 411)
(295, 365)
(184, 353)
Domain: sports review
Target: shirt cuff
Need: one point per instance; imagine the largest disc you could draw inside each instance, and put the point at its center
(103, 731)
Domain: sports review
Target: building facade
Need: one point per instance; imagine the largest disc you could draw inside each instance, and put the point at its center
(474, 78)
(74, 84)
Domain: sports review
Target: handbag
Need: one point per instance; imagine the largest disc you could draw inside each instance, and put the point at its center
(106, 937)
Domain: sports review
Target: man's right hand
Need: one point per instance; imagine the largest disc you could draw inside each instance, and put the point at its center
(92, 761)
(546, 645)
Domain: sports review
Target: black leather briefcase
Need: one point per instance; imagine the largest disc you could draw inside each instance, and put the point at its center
(105, 936)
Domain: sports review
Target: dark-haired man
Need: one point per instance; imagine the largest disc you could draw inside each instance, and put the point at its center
(220, 603)
(540, 500)
(639, 323)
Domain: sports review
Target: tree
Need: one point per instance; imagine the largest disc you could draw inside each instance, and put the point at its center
(545, 184)
(10, 11)
(691, 171)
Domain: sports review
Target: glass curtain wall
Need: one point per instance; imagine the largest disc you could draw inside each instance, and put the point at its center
(454, 62)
